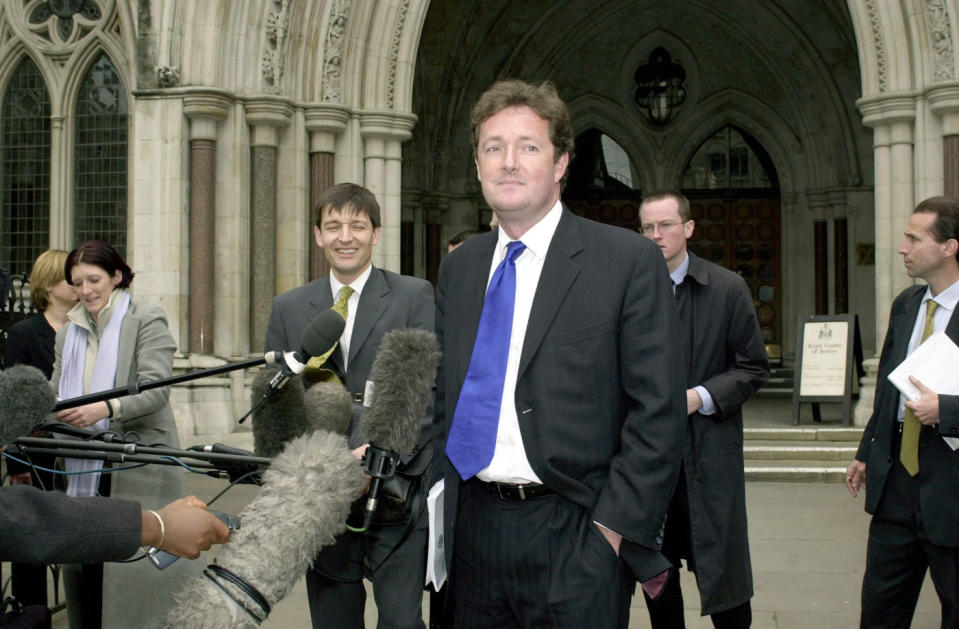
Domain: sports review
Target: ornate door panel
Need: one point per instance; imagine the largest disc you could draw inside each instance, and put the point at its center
(744, 235)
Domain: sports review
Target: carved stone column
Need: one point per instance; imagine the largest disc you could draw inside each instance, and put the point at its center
(817, 205)
(892, 118)
(266, 116)
(435, 207)
(944, 101)
(383, 134)
(325, 123)
(836, 200)
(204, 110)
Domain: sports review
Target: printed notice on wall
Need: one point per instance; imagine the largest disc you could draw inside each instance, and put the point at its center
(824, 351)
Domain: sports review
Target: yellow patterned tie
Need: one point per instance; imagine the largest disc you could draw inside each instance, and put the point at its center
(909, 448)
(315, 370)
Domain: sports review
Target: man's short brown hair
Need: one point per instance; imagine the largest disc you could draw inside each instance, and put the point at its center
(666, 193)
(348, 196)
(946, 225)
(542, 98)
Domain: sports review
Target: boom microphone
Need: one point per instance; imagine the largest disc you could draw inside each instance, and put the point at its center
(302, 507)
(402, 377)
(281, 417)
(26, 399)
(293, 412)
(328, 407)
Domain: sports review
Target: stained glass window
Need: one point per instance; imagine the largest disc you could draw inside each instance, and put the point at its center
(101, 157)
(24, 169)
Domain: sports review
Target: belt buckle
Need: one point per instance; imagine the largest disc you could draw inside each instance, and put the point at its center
(358, 397)
(504, 491)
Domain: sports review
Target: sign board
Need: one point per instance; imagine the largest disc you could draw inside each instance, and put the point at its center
(826, 347)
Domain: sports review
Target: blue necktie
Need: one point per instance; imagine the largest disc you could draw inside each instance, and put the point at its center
(472, 437)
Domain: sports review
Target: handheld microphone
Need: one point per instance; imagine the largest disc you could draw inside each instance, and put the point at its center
(301, 508)
(26, 399)
(319, 337)
(323, 332)
(402, 376)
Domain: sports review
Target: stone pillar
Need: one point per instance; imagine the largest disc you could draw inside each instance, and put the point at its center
(204, 111)
(435, 207)
(383, 134)
(944, 102)
(836, 200)
(325, 123)
(266, 116)
(816, 202)
(892, 119)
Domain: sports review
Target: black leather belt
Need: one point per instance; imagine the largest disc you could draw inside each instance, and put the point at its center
(510, 491)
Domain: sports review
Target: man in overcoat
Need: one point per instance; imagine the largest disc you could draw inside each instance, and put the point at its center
(725, 363)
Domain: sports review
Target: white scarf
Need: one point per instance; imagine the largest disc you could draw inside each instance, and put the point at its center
(72, 368)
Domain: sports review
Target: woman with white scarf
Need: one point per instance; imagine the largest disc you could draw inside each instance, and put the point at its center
(111, 342)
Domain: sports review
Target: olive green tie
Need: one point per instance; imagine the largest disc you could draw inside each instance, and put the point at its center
(315, 370)
(909, 448)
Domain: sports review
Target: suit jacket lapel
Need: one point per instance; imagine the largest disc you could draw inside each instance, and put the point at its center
(559, 272)
(470, 296)
(902, 325)
(374, 300)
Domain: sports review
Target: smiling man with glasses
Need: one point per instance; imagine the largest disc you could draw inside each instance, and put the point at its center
(725, 363)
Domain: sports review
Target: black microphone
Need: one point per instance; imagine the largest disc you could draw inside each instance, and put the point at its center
(402, 378)
(302, 507)
(26, 399)
(323, 332)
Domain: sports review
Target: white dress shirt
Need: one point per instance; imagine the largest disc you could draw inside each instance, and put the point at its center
(510, 464)
(351, 305)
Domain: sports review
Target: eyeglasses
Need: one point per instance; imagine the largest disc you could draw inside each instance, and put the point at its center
(650, 228)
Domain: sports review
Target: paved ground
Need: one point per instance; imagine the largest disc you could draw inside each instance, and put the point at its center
(808, 545)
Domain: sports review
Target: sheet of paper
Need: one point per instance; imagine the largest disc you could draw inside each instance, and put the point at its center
(436, 549)
(933, 363)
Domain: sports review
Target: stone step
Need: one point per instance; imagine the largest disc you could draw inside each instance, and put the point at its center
(804, 433)
(791, 450)
(794, 472)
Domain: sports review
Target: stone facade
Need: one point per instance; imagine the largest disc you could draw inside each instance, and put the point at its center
(240, 109)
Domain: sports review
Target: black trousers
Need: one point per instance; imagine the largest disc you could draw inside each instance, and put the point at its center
(897, 557)
(535, 563)
(399, 570)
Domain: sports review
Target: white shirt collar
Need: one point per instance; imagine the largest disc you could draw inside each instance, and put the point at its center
(537, 237)
(357, 284)
(946, 299)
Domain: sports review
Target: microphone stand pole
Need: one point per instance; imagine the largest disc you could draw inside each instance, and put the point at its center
(137, 387)
(128, 452)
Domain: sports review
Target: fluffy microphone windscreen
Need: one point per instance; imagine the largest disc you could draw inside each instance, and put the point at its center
(402, 374)
(26, 399)
(328, 407)
(322, 333)
(302, 507)
(281, 418)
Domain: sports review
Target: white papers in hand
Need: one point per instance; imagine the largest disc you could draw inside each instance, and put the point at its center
(934, 364)
(435, 549)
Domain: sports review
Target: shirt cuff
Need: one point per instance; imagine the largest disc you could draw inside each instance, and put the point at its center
(708, 407)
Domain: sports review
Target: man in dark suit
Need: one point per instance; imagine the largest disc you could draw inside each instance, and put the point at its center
(376, 302)
(578, 456)
(725, 362)
(909, 447)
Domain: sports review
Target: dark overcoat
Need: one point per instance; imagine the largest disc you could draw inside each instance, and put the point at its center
(726, 356)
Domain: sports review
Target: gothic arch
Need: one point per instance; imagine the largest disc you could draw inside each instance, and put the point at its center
(735, 108)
